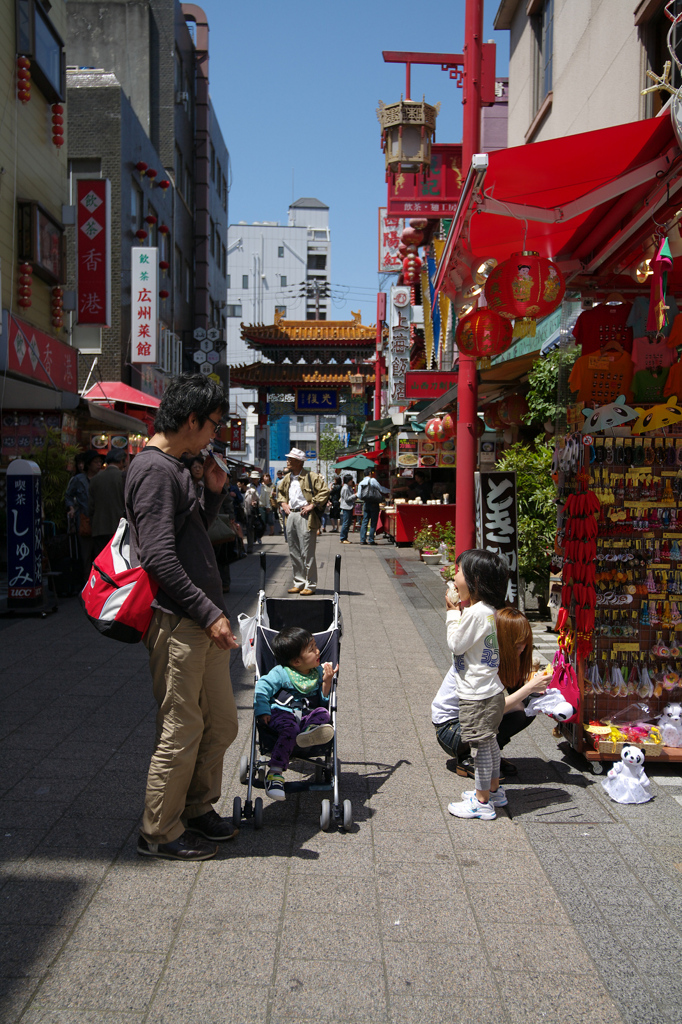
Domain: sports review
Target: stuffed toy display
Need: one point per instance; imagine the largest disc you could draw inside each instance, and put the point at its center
(552, 703)
(627, 782)
(670, 724)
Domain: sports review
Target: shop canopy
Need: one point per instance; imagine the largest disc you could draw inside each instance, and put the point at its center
(358, 462)
(114, 391)
(589, 200)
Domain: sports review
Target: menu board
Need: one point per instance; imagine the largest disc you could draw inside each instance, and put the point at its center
(408, 450)
(434, 454)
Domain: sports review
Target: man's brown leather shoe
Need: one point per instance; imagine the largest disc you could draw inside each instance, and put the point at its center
(306, 592)
(294, 590)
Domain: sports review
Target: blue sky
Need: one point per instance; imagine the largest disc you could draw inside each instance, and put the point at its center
(296, 85)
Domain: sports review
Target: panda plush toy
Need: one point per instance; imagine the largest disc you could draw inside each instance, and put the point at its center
(627, 782)
(670, 724)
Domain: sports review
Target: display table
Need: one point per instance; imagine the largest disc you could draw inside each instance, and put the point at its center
(401, 523)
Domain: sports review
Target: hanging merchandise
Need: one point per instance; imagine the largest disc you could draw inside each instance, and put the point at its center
(525, 288)
(651, 353)
(639, 315)
(649, 385)
(600, 378)
(627, 782)
(603, 323)
(665, 415)
(660, 265)
(428, 322)
(616, 414)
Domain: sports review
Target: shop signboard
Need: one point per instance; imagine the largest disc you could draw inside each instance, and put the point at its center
(261, 445)
(40, 357)
(497, 522)
(428, 383)
(390, 230)
(398, 357)
(93, 251)
(24, 535)
(433, 454)
(317, 400)
(407, 450)
(409, 196)
(236, 436)
(144, 291)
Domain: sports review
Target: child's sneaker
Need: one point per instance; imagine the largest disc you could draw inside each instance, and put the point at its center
(274, 786)
(471, 808)
(315, 736)
(497, 799)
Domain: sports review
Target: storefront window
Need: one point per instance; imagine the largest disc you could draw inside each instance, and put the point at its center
(543, 29)
(38, 39)
(41, 241)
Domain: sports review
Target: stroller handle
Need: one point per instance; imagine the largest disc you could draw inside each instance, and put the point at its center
(337, 574)
(262, 570)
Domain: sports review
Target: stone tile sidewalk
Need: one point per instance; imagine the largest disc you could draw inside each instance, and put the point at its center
(565, 909)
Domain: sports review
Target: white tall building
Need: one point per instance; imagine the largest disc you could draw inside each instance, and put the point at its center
(277, 268)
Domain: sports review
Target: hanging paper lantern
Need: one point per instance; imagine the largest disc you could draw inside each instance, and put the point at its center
(492, 417)
(164, 229)
(483, 334)
(57, 125)
(23, 79)
(164, 184)
(151, 219)
(141, 234)
(411, 267)
(25, 288)
(141, 166)
(151, 173)
(164, 265)
(420, 223)
(512, 409)
(163, 294)
(524, 288)
(449, 426)
(434, 429)
(411, 236)
(480, 427)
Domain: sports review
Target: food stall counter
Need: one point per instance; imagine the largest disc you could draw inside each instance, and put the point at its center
(401, 522)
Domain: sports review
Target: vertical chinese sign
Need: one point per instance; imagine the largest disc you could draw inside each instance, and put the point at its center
(497, 522)
(24, 535)
(390, 230)
(398, 346)
(93, 220)
(143, 304)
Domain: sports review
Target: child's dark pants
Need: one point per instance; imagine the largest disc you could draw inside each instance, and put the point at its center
(287, 728)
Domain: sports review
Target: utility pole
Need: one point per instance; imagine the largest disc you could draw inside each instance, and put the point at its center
(316, 289)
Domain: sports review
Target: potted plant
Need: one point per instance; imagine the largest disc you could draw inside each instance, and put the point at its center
(427, 540)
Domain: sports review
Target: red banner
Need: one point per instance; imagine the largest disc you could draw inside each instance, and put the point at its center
(428, 383)
(237, 436)
(93, 231)
(409, 196)
(39, 356)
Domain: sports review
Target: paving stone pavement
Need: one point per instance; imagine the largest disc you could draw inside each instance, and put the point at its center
(565, 909)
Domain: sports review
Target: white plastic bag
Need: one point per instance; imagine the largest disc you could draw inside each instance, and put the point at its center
(247, 632)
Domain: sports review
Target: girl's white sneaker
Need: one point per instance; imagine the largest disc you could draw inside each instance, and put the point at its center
(471, 808)
(497, 799)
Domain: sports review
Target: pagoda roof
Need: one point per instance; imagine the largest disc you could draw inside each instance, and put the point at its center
(295, 374)
(310, 332)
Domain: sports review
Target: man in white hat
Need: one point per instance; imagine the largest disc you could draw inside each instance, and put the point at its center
(302, 496)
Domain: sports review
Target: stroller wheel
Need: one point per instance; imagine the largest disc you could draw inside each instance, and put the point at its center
(236, 810)
(258, 812)
(326, 815)
(243, 769)
(347, 815)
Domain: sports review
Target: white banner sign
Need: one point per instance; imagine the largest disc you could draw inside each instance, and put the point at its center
(398, 357)
(144, 304)
(390, 230)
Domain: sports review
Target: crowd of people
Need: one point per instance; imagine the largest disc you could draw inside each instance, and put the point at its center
(189, 520)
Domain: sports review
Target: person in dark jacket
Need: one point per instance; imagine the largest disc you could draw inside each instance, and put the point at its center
(106, 499)
(189, 639)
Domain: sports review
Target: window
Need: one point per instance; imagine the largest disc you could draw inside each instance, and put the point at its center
(153, 228)
(234, 310)
(225, 263)
(189, 187)
(179, 176)
(135, 207)
(212, 162)
(281, 309)
(317, 262)
(178, 272)
(654, 28)
(37, 38)
(218, 177)
(188, 282)
(212, 235)
(41, 241)
(228, 281)
(280, 252)
(543, 28)
(224, 194)
(245, 280)
(282, 280)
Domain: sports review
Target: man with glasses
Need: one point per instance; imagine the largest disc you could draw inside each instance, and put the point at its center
(189, 639)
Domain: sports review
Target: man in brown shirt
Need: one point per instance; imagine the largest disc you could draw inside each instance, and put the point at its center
(189, 639)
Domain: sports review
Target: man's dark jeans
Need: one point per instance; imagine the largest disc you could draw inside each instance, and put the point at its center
(346, 519)
(448, 733)
(370, 514)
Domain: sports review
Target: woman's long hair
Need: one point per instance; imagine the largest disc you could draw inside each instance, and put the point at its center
(513, 628)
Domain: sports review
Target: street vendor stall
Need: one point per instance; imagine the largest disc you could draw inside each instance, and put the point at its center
(401, 521)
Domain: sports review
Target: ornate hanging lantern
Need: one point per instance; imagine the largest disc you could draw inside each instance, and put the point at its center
(524, 288)
(512, 409)
(492, 418)
(407, 131)
(440, 428)
(23, 79)
(483, 334)
(357, 383)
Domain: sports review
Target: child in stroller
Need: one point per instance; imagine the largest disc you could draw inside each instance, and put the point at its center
(292, 700)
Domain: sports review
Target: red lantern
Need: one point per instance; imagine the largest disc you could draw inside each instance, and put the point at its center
(164, 229)
(164, 264)
(420, 223)
(23, 79)
(449, 426)
(512, 409)
(164, 184)
(151, 219)
(57, 307)
(480, 427)
(151, 173)
(524, 288)
(483, 334)
(25, 288)
(141, 234)
(434, 429)
(141, 166)
(163, 294)
(411, 236)
(492, 418)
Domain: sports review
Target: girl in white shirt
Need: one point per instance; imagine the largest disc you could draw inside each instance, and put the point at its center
(481, 580)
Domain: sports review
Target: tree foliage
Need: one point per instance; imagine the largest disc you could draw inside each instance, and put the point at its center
(536, 509)
(54, 460)
(330, 443)
(544, 381)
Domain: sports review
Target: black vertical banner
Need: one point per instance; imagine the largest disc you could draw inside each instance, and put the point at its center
(497, 522)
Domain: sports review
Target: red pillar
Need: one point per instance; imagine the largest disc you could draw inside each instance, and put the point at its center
(467, 389)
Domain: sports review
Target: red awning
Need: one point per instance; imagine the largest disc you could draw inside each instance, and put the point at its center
(588, 199)
(110, 391)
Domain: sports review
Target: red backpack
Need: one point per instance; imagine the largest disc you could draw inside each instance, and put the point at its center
(118, 597)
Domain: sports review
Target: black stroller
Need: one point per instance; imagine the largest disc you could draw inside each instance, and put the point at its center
(323, 619)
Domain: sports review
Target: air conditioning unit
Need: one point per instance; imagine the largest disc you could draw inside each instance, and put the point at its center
(182, 97)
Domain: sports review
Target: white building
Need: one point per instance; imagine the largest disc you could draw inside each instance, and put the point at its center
(277, 268)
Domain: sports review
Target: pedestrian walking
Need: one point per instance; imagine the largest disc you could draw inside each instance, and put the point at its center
(370, 493)
(347, 504)
(334, 506)
(77, 500)
(106, 499)
(481, 580)
(265, 492)
(189, 639)
(303, 496)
